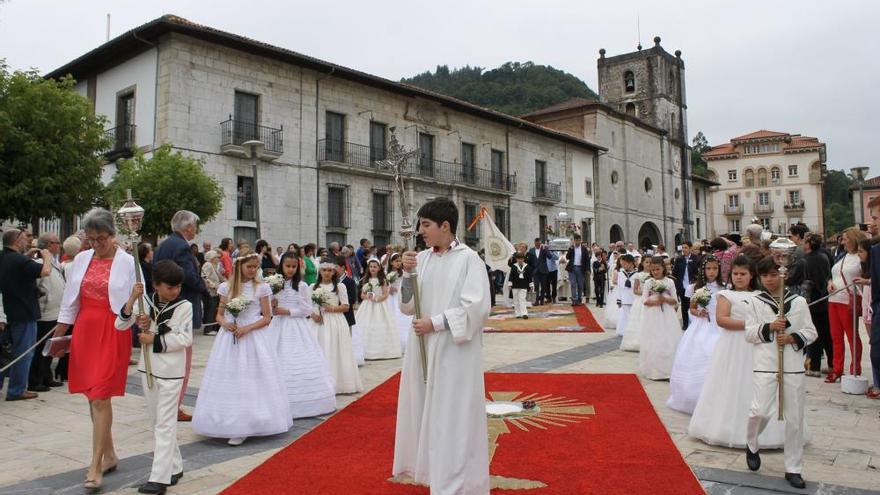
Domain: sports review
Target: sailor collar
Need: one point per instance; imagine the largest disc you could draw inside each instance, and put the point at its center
(769, 300)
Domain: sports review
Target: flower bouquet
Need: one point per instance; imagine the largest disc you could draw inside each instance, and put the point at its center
(320, 297)
(658, 288)
(392, 277)
(235, 306)
(276, 282)
(702, 297)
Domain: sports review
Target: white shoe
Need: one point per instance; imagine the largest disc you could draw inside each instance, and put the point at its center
(235, 442)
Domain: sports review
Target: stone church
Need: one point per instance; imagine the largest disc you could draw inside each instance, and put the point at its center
(643, 187)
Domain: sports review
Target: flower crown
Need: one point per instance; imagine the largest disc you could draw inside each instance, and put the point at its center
(246, 257)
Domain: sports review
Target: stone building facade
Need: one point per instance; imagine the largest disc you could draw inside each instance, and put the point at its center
(318, 132)
(774, 177)
(642, 183)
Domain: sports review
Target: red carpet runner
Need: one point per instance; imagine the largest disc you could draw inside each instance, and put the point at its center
(594, 434)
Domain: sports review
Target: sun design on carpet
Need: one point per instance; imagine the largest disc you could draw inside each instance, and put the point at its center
(527, 412)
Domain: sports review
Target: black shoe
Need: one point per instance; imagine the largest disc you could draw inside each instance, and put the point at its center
(795, 480)
(153, 488)
(39, 388)
(753, 460)
(526, 317)
(176, 477)
(56, 384)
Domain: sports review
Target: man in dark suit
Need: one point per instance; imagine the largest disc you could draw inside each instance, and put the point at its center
(684, 270)
(577, 268)
(874, 208)
(537, 260)
(350, 289)
(185, 225)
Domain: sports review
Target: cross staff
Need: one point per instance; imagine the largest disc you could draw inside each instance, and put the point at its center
(396, 160)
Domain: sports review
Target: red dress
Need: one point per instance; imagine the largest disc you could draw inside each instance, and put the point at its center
(99, 353)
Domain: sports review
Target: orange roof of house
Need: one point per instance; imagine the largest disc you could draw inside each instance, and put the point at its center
(804, 142)
(763, 133)
(720, 150)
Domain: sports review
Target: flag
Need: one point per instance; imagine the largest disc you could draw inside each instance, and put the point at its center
(497, 248)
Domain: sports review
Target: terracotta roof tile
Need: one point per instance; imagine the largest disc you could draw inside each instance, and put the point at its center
(798, 142)
(763, 133)
(720, 150)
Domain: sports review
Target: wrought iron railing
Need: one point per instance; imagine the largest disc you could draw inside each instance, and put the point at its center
(122, 139)
(797, 205)
(236, 132)
(759, 208)
(547, 191)
(366, 157)
(730, 209)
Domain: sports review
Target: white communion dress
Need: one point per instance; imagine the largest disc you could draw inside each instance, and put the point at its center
(401, 321)
(242, 393)
(660, 334)
(611, 308)
(335, 340)
(380, 334)
(632, 334)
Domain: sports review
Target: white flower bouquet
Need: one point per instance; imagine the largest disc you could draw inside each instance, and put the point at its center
(320, 296)
(658, 288)
(236, 305)
(392, 277)
(276, 282)
(367, 289)
(702, 297)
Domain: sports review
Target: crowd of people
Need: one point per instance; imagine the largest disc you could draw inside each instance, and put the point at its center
(293, 325)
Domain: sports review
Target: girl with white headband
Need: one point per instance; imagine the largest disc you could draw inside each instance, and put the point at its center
(381, 338)
(332, 328)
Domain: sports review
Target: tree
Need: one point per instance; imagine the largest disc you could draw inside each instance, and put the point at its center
(836, 188)
(699, 146)
(837, 217)
(163, 184)
(50, 147)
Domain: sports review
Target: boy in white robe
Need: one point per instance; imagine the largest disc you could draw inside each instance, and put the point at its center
(768, 331)
(441, 437)
(170, 333)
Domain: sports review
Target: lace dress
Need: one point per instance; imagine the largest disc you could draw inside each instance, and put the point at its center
(335, 339)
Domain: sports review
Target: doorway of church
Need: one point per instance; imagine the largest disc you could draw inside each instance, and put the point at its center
(649, 235)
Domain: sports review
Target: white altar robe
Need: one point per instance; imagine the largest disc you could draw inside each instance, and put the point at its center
(441, 438)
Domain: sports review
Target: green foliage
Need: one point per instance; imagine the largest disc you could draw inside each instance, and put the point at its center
(699, 146)
(838, 202)
(163, 184)
(514, 88)
(50, 147)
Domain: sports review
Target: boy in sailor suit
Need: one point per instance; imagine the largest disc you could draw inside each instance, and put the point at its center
(521, 281)
(170, 333)
(767, 330)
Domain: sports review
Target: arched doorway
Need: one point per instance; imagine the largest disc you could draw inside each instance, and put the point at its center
(649, 235)
(616, 233)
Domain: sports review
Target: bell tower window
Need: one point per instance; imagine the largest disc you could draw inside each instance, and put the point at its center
(629, 81)
(631, 109)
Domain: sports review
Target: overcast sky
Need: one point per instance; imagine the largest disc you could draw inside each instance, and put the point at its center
(807, 67)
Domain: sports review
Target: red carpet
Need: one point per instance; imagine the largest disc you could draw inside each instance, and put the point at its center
(548, 318)
(617, 446)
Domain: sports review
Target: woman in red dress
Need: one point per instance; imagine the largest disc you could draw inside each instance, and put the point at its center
(99, 283)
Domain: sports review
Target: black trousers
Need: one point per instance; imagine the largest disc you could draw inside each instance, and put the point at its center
(685, 310)
(599, 289)
(823, 343)
(41, 366)
(552, 279)
(540, 281)
(209, 322)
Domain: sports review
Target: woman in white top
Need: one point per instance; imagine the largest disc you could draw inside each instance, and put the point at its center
(840, 310)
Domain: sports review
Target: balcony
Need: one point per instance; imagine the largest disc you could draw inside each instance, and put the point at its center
(795, 207)
(364, 160)
(122, 142)
(236, 137)
(733, 210)
(546, 192)
(763, 209)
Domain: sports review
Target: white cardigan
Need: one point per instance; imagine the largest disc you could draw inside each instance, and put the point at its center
(122, 280)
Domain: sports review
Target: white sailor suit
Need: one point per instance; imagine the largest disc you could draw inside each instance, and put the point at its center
(764, 310)
(172, 325)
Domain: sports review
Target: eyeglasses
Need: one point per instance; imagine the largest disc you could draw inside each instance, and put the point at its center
(97, 240)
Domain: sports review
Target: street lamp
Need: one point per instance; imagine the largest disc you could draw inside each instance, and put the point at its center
(255, 147)
(859, 174)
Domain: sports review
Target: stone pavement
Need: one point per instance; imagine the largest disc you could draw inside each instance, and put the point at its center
(45, 443)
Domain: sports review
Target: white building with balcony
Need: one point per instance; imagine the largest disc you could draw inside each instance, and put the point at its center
(775, 177)
(319, 131)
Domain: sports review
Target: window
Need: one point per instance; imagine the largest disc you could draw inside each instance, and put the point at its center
(648, 184)
(498, 169)
(794, 198)
(381, 217)
(697, 199)
(337, 206)
(629, 81)
(763, 198)
(246, 118)
(471, 237)
(124, 133)
(501, 219)
(792, 171)
(749, 178)
(249, 234)
(767, 223)
(733, 200)
(335, 136)
(631, 109)
(245, 210)
(762, 177)
(426, 154)
(588, 187)
(731, 175)
(378, 147)
(734, 225)
(468, 162)
(775, 174)
(614, 177)
(699, 235)
(542, 226)
(540, 177)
